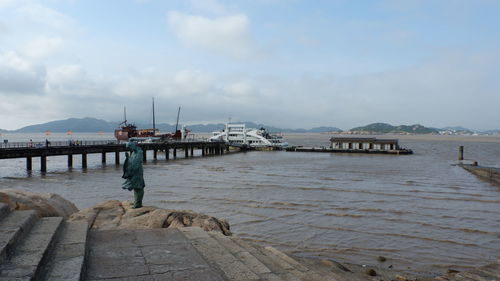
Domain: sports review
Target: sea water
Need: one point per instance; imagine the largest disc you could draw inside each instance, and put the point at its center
(419, 211)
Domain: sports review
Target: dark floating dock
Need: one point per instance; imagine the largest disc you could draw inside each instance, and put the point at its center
(358, 145)
(364, 151)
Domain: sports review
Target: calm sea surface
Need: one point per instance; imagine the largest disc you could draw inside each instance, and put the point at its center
(419, 211)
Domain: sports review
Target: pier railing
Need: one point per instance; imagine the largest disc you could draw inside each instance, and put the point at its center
(55, 143)
(41, 144)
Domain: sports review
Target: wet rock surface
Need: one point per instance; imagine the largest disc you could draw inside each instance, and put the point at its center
(114, 214)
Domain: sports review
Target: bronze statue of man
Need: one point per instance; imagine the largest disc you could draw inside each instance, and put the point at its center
(133, 173)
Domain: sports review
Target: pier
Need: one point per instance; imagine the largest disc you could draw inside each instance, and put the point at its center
(29, 150)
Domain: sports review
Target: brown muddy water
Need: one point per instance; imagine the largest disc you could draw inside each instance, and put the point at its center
(418, 211)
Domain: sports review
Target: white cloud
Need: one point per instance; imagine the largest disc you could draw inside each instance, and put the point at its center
(39, 14)
(20, 76)
(43, 46)
(226, 35)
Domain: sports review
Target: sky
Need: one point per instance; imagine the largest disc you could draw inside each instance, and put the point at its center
(286, 63)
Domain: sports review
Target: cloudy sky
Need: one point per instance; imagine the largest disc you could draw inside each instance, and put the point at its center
(287, 63)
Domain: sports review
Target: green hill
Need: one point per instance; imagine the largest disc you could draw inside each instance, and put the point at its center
(384, 128)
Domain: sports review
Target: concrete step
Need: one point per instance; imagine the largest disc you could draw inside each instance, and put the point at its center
(283, 265)
(332, 269)
(33, 251)
(146, 254)
(68, 258)
(13, 227)
(294, 267)
(218, 256)
(4, 210)
(246, 257)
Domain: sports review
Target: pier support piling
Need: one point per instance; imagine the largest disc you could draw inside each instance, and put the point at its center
(70, 160)
(155, 154)
(192, 151)
(43, 163)
(202, 151)
(186, 152)
(103, 158)
(175, 153)
(145, 152)
(461, 152)
(117, 157)
(167, 153)
(29, 163)
(84, 160)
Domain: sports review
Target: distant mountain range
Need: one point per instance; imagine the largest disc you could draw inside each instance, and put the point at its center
(387, 128)
(89, 124)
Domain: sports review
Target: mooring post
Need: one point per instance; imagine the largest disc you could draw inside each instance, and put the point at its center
(175, 153)
(186, 151)
(461, 152)
(84, 160)
(29, 163)
(43, 163)
(103, 158)
(117, 157)
(70, 160)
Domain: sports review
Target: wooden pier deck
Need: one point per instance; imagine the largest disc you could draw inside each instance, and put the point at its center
(28, 150)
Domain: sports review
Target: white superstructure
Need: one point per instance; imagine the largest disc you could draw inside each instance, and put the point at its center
(239, 135)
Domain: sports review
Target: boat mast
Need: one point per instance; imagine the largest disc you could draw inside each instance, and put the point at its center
(154, 127)
(177, 123)
(124, 116)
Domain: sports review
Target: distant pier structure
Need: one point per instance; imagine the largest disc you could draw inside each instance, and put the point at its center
(348, 143)
(30, 150)
(358, 145)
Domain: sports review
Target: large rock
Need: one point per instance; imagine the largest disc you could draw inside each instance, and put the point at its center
(114, 214)
(46, 205)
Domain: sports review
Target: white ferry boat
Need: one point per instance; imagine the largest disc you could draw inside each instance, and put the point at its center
(239, 135)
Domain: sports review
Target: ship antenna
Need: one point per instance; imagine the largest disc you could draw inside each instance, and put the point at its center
(154, 127)
(177, 123)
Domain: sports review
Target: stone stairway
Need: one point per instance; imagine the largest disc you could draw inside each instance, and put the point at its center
(33, 248)
(240, 260)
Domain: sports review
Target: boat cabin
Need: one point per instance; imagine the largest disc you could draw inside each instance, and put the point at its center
(349, 143)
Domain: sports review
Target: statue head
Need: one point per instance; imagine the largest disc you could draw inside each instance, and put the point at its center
(132, 146)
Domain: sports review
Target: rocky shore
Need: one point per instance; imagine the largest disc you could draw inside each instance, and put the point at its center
(114, 215)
